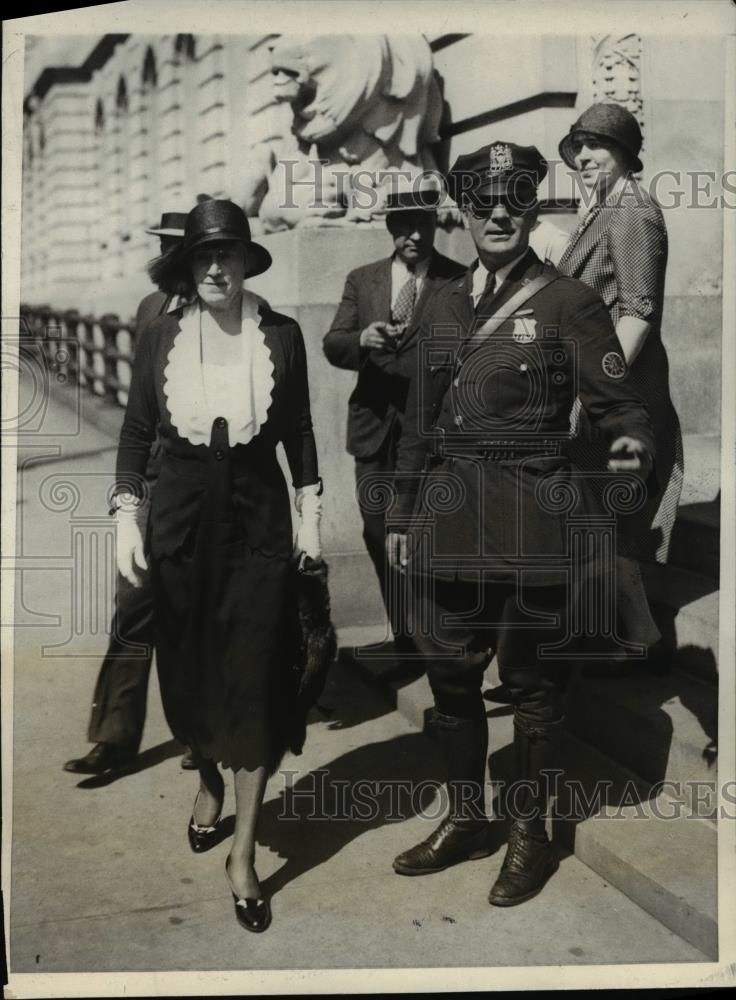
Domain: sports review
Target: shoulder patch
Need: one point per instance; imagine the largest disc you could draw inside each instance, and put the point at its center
(613, 365)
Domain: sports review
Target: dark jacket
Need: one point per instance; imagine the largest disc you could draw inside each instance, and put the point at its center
(379, 398)
(258, 491)
(150, 307)
(514, 390)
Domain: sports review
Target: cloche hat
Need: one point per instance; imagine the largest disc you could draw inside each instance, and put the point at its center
(608, 121)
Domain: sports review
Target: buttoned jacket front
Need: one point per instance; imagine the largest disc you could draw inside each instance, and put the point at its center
(258, 492)
(482, 459)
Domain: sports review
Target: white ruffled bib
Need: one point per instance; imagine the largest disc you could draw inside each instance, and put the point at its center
(197, 394)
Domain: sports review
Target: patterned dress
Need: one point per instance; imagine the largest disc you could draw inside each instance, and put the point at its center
(620, 250)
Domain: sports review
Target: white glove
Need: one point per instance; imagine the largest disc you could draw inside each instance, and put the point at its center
(129, 539)
(308, 503)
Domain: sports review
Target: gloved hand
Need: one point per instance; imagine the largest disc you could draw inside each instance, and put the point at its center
(129, 539)
(308, 504)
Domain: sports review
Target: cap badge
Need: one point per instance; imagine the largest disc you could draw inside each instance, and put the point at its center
(501, 159)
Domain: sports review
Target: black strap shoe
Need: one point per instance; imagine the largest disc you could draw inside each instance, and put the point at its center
(103, 758)
(530, 861)
(202, 838)
(252, 914)
(453, 841)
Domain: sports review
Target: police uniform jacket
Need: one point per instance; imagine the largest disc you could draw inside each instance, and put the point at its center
(378, 401)
(487, 421)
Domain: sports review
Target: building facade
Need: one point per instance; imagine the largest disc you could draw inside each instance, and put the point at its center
(147, 123)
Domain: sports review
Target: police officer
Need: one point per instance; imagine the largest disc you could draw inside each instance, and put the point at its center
(484, 490)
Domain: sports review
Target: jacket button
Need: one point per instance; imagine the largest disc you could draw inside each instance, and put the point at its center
(219, 455)
(456, 383)
(220, 422)
(523, 367)
(459, 419)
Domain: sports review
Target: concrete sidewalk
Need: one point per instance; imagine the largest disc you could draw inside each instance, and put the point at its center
(102, 875)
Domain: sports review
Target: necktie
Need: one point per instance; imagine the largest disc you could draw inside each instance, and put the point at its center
(404, 305)
(488, 288)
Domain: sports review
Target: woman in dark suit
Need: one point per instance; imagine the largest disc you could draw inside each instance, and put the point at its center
(225, 380)
(620, 249)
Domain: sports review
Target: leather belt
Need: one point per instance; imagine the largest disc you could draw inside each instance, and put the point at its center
(498, 451)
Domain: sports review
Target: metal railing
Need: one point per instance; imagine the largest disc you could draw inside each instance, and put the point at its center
(96, 353)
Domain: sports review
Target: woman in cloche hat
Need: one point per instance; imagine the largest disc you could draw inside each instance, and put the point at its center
(620, 249)
(225, 380)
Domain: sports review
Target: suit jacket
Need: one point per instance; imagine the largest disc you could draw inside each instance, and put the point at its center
(378, 401)
(508, 395)
(258, 491)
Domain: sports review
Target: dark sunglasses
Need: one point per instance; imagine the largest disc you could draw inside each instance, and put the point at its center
(485, 211)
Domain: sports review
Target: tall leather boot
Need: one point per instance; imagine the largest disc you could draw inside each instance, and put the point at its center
(530, 856)
(464, 834)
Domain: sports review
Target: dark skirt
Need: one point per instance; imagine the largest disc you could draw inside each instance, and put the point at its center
(226, 634)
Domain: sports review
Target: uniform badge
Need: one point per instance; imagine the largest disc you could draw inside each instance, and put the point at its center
(525, 331)
(501, 159)
(613, 365)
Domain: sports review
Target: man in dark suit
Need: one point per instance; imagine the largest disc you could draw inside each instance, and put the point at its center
(374, 333)
(119, 703)
(488, 499)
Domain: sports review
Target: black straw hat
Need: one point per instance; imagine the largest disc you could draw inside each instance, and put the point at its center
(215, 221)
(172, 224)
(606, 121)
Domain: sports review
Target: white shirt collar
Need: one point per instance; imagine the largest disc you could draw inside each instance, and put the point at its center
(399, 268)
(480, 274)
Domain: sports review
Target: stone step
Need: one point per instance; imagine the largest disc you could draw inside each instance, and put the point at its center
(696, 538)
(686, 608)
(666, 866)
(702, 456)
(663, 727)
(647, 846)
(660, 727)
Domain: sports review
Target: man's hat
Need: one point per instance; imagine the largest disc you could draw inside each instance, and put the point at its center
(611, 122)
(216, 220)
(498, 168)
(172, 224)
(413, 194)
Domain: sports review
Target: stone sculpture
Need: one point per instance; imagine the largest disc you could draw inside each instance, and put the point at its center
(363, 106)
